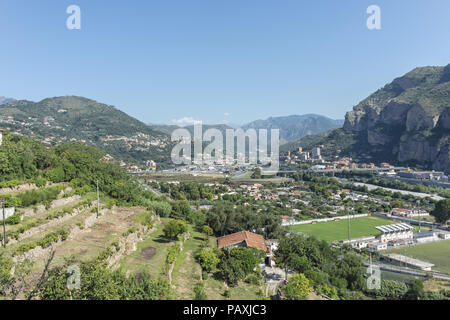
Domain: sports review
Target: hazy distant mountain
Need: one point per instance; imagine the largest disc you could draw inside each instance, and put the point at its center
(168, 129)
(71, 118)
(165, 128)
(4, 100)
(296, 126)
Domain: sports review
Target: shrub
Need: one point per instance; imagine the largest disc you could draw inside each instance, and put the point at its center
(45, 195)
(56, 175)
(11, 201)
(207, 259)
(199, 292)
(297, 288)
(13, 220)
(162, 208)
(172, 253)
(53, 237)
(11, 183)
(252, 279)
(146, 220)
(392, 289)
(175, 228)
(129, 231)
(26, 247)
(41, 182)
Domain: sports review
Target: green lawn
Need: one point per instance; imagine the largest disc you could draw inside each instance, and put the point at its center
(434, 252)
(338, 230)
(136, 262)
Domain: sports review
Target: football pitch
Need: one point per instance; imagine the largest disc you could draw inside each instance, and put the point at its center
(338, 230)
(437, 253)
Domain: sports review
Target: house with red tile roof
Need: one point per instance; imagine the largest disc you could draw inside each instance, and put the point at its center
(242, 239)
(401, 212)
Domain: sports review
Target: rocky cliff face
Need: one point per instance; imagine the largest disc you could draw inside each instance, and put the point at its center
(408, 119)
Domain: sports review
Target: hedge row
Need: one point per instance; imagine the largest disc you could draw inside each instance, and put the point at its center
(44, 242)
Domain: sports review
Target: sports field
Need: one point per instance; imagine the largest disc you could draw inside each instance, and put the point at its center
(437, 253)
(338, 230)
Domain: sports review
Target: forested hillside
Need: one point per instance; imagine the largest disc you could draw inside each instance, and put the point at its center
(70, 118)
(25, 160)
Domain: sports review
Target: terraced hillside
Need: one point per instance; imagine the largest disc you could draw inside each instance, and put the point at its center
(119, 244)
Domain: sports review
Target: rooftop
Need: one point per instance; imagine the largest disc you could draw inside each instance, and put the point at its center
(252, 240)
(399, 227)
(408, 260)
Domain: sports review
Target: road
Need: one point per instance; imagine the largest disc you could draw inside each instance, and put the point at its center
(415, 194)
(274, 276)
(239, 175)
(398, 269)
(416, 222)
(156, 193)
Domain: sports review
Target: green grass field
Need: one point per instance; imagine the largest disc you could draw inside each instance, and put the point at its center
(338, 230)
(434, 252)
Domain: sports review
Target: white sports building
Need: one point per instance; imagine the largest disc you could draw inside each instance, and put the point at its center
(394, 232)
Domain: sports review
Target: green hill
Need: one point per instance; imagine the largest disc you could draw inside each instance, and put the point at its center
(71, 118)
(26, 160)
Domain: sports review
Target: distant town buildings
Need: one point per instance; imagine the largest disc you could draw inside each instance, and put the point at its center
(316, 153)
(151, 165)
(423, 175)
(406, 212)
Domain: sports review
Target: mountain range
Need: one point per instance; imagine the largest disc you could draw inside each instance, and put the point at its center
(4, 100)
(406, 122)
(72, 118)
(296, 126)
(291, 127)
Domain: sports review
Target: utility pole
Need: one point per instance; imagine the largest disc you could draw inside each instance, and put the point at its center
(98, 201)
(4, 224)
(348, 220)
(418, 213)
(3, 202)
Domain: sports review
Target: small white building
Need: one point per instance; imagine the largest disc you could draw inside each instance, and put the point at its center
(377, 246)
(359, 243)
(444, 235)
(429, 236)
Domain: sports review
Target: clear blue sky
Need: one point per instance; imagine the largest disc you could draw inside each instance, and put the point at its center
(217, 60)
